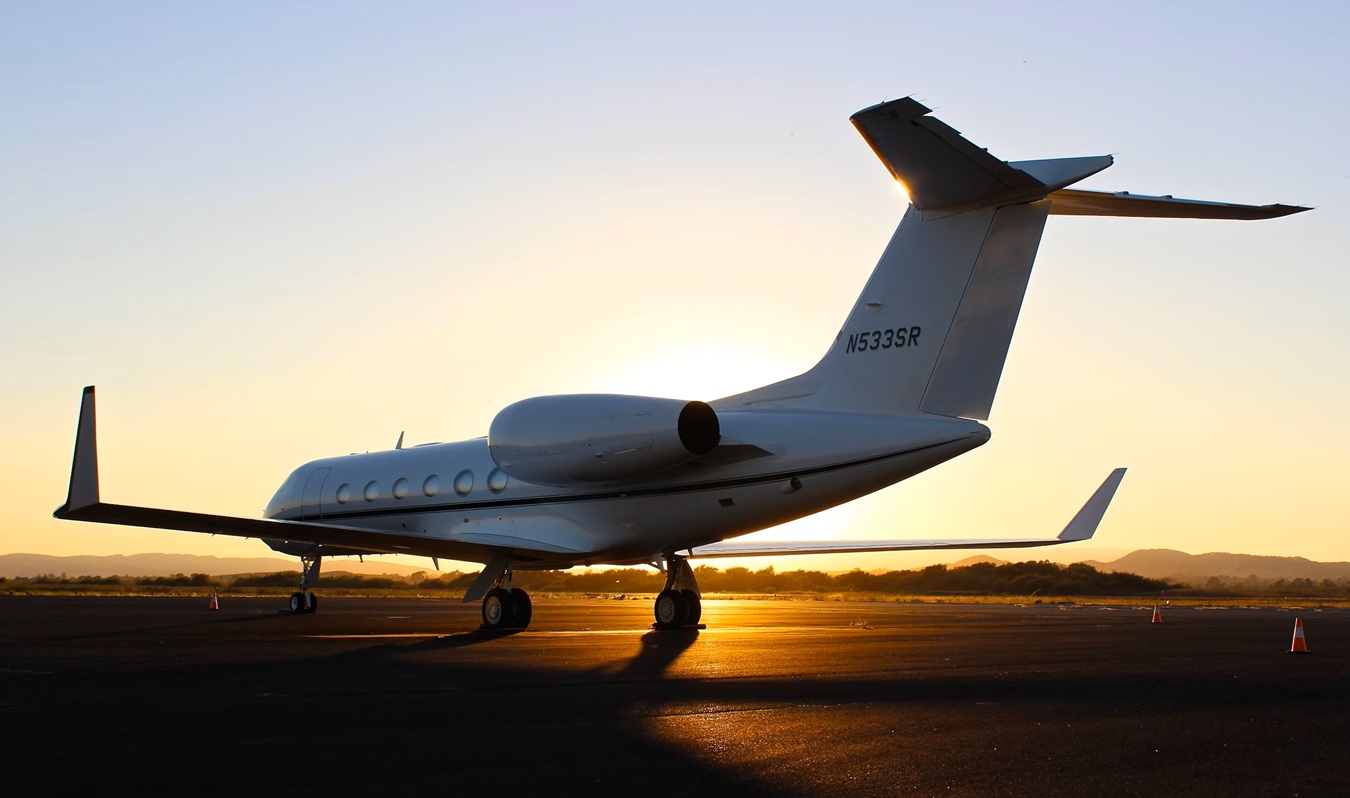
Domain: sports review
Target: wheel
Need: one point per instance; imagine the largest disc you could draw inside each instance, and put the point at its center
(695, 607)
(671, 610)
(498, 612)
(520, 601)
(311, 603)
(297, 602)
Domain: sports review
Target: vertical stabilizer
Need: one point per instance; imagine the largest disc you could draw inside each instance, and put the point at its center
(931, 329)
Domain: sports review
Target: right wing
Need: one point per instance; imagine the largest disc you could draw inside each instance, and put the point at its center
(1082, 527)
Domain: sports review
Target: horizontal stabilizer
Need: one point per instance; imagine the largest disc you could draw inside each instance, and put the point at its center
(939, 168)
(1075, 202)
(1082, 527)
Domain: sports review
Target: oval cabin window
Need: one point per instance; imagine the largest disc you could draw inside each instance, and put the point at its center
(497, 480)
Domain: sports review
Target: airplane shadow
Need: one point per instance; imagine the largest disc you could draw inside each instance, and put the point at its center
(657, 651)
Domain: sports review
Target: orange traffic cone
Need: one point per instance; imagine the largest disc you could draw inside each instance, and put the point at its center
(215, 605)
(1157, 616)
(1300, 645)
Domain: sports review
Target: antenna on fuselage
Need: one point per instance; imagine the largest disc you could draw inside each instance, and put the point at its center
(399, 445)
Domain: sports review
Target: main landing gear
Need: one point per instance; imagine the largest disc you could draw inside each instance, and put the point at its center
(304, 600)
(678, 605)
(504, 607)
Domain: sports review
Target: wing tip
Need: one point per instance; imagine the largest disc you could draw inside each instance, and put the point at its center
(83, 490)
(1084, 524)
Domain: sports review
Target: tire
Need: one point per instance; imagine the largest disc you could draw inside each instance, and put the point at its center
(498, 609)
(671, 610)
(695, 607)
(297, 603)
(520, 601)
(311, 603)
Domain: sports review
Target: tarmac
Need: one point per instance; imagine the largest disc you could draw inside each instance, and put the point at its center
(404, 696)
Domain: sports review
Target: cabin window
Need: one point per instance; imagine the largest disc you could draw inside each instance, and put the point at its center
(401, 488)
(344, 493)
(432, 485)
(464, 482)
(372, 491)
(497, 480)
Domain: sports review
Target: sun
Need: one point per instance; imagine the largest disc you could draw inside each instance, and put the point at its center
(702, 370)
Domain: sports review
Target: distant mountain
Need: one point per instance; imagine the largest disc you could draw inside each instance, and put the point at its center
(1196, 569)
(17, 565)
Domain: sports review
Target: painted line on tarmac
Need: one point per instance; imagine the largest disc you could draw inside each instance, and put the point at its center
(373, 637)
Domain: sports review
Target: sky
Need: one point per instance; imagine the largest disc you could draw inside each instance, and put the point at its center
(273, 232)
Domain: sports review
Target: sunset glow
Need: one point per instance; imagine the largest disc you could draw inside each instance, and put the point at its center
(269, 238)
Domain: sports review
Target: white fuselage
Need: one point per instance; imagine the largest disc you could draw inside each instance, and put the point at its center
(774, 466)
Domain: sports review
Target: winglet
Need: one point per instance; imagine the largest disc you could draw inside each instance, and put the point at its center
(1085, 523)
(84, 469)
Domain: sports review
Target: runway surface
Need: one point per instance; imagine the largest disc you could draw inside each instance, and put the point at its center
(161, 695)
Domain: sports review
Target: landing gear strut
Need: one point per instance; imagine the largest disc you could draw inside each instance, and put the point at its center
(304, 600)
(678, 605)
(505, 607)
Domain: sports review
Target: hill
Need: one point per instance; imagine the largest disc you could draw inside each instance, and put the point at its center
(1197, 569)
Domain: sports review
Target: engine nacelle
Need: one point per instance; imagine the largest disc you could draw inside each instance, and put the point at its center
(588, 438)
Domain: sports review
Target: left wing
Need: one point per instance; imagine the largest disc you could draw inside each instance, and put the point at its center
(1082, 527)
(83, 504)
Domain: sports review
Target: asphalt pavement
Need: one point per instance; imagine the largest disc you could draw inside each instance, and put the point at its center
(404, 696)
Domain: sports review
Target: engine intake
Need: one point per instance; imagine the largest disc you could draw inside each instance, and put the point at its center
(595, 438)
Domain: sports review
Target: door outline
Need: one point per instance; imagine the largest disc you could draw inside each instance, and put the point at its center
(311, 501)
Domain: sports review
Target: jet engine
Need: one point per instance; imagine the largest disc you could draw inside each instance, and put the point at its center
(596, 438)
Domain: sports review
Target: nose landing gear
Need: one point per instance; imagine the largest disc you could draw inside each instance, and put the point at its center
(304, 600)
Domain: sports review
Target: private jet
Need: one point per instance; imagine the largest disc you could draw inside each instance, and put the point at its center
(576, 480)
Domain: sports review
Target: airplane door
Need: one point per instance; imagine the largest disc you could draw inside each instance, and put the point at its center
(310, 506)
